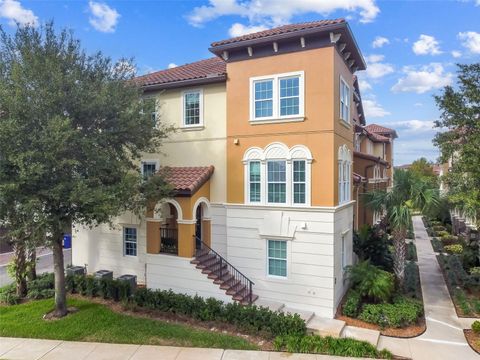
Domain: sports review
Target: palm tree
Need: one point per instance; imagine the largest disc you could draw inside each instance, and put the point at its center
(408, 193)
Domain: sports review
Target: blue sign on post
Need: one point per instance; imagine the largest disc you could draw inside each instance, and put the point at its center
(67, 241)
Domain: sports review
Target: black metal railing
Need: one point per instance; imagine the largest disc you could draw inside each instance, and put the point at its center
(169, 241)
(222, 267)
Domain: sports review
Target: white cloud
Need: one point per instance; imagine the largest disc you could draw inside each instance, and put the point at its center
(277, 12)
(376, 68)
(373, 109)
(238, 29)
(13, 11)
(424, 79)
(418, 104)
(103, 18)
(456, 54)
(172, 65)
(415, 126)
(426, 45)
(380, 41)
(364, 85)
(471, 41)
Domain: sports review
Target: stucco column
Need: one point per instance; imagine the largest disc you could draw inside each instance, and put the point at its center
(153, 237)
(186, 245)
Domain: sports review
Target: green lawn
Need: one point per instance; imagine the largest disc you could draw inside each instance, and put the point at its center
(96, 322)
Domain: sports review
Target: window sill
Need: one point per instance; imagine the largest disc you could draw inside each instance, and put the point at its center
(276, 120)
(345, 123)
(192, 128)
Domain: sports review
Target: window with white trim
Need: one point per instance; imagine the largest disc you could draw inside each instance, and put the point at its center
(344, 101)
(277, 258)
(193, 108)
(344, 174)
(254, 181)
(277, 181)
(278, 175)
(277, 97)
(130, 241)
(149, 168)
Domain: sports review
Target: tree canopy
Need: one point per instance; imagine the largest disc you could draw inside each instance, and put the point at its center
(73, 127)
(459, 138)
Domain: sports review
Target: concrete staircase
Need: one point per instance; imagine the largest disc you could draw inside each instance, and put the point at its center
(324, 326)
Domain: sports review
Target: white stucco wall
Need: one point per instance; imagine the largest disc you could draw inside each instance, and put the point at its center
(312, 249)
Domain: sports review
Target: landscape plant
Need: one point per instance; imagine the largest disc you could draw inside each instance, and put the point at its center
(370, 281)
(73, 128)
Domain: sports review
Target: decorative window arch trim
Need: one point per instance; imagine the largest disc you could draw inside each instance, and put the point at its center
(204, 200)
(344, 174)
(281, 152)
(174, 203)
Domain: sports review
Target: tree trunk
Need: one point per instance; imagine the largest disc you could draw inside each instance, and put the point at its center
(32, 263)
(400, 254)
(59, 272)
(20, 268)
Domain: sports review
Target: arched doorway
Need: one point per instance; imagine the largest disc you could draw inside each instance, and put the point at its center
(198, 227)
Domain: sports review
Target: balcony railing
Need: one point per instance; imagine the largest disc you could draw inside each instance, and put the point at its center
(169, 241)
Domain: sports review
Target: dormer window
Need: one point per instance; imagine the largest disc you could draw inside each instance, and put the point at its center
(278, 97)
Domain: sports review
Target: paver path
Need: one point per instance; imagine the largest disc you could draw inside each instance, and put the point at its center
(33, 349)
(444, 338)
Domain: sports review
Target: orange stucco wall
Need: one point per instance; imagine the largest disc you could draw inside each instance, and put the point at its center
(320, 131)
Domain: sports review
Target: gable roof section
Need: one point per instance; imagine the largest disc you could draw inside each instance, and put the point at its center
(382, 130)
(186, 180)
(279, 31)
(208, 70)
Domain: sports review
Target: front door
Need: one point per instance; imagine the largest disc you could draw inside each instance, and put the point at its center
(198, 228)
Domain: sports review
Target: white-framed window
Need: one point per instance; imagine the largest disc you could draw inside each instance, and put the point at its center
(299, 182)
(344, 101)
(254, 182)
(277, 175)
(277, 258)
(277, 97)
(129, 241)
(276, 182)
(344, 174)
(149, 168)
(192, 108)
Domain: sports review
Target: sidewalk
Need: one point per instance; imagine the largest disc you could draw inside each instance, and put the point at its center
(444, 338)
(33, 349)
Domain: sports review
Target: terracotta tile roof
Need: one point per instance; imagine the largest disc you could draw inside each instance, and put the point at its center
(379, 138)
(369, 157)
(202, 69)
(374, 128)
(280, 30)
(186, 180)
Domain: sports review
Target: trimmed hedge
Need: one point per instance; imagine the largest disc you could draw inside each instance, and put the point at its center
(251, 319)
(315, 344)
(456, 274)
(40, 288)
(352, 304)
(401, 313)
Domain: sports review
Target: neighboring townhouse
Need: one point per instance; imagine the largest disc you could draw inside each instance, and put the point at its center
(262, 165)
(373, 170)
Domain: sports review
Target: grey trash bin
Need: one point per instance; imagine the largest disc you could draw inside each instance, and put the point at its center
(76, 270)
(103, 274)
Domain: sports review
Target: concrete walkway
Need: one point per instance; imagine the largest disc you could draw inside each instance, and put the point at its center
(33, 349)
(444, 338)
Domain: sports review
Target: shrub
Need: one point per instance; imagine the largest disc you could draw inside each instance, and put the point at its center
(454, 249)
(476, 327)
(328, 345)
(442, 233)
(8, 295)
(438, 228)
(370, 281)
(402, 312)
(42, 287)
(411, 284)
(411, 252)
(352, 304)
(371, 243)
(449, 239)
(437, 245)
(475, 270)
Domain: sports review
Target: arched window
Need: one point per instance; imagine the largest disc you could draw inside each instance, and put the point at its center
(277, 175)
(344, 174)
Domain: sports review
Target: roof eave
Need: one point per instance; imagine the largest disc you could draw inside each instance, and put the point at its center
(184, 83)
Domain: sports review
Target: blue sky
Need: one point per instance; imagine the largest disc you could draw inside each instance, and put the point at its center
(411, 47)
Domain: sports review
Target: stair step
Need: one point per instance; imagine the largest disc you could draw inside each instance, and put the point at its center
(325, 326)
(272, 305)
(224, 279)
(229, 284)
(362, 334)
(235, 289)
(245, 301)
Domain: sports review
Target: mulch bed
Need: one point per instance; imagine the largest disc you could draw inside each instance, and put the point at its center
(218, 327)
(473, 339)
(406, 332)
